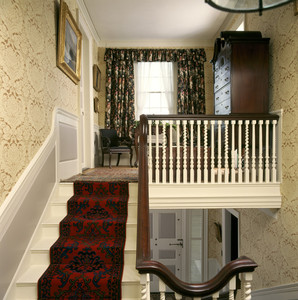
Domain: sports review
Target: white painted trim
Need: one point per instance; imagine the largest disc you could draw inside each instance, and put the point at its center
(157, 44)
(66, 169)
(83, 13)
(85, 28)
(284, 292)
(215, 195)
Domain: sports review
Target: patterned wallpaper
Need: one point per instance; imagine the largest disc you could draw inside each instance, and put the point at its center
(31, 85)
(273, 243)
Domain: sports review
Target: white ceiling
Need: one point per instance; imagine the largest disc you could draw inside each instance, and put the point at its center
(139, 22)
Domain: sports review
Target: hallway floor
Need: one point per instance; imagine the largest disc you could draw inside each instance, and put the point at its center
(102, 174)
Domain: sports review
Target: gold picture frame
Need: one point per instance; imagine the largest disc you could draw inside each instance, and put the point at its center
(96, 78)
(69, 44)
(96, 105)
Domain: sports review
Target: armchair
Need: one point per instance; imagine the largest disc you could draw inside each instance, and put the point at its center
(112, 144)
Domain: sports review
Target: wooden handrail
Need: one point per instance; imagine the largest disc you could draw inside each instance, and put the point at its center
(143, 262)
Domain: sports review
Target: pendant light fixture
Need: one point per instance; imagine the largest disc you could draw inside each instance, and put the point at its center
(246, 6)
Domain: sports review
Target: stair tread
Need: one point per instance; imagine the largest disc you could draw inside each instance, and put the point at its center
(44, 244)
(34, 272)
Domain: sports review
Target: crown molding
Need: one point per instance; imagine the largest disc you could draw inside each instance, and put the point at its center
(84, 12)
(156, 43)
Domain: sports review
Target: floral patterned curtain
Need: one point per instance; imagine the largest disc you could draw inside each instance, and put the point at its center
(120, 112)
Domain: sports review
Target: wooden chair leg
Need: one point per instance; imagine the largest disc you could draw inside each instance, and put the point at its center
(110, 159)
(131, 155)
(118, 160)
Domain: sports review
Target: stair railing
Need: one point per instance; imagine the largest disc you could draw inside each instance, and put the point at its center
(242, 266)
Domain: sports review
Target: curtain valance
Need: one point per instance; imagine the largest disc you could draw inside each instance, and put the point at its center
(150, 55)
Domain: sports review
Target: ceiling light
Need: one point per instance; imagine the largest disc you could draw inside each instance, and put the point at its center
(246, 6)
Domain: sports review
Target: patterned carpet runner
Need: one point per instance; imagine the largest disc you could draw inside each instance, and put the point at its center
(86, 262)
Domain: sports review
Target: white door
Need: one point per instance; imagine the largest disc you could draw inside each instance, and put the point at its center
(166, 241)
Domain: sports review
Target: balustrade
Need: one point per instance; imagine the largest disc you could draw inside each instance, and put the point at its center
(212, 149)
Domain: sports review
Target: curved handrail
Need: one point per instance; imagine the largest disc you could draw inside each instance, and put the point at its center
(143, 262)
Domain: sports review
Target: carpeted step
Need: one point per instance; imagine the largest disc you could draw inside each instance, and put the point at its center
(73, 225)
(101, 188)
(81, 281)
(101, 206)
(68, 250)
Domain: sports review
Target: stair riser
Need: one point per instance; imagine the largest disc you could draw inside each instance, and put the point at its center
(43, 258)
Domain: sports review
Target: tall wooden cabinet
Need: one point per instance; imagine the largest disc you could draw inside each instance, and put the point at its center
(241, 73)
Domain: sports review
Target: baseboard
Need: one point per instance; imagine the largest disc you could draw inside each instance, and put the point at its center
(282, 292)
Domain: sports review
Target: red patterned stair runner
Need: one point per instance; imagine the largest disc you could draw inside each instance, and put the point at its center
(86, 262)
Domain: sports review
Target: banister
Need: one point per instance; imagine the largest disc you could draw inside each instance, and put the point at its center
(143, 262)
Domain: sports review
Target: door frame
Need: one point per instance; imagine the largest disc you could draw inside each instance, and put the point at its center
(87, 86)
(226, 234)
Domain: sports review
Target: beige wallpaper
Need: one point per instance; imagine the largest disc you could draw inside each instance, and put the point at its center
(30, 83)
(273, 243)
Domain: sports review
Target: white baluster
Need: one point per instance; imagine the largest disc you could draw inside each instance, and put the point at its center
(260, 175)
(274, 123)
(246, 279)
(171, 153)
(253, 154)
(145, 286)
(157, 151)
(162, 290)
(226, 151)
(205, 151)
(246, 152)
(219, 178)
(215, 296)
(191, 163)
(233, 122)
(184, 122)
(240, 151)
(199, 152)
(178, 296)
(232, 288)
(212, 122)
(267, 173)
(150, 152)
(164, 149)
(178, 152)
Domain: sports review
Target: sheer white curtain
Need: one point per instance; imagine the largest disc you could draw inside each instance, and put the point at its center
(155, 88)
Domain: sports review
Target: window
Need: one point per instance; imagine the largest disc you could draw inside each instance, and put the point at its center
(155, 88)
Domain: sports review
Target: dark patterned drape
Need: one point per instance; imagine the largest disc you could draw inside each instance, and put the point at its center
(120, 112)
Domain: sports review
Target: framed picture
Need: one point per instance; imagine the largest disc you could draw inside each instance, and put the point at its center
(96, 78)
(69, 44)
(96, 105)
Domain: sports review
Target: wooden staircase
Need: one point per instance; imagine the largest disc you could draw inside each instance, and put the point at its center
(37, 259)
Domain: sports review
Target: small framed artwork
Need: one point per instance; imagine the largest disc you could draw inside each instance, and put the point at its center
(69, 44)
(96, 78)
(96, 105)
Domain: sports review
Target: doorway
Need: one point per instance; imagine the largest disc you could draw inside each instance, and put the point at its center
(230, 235)
(86, 135)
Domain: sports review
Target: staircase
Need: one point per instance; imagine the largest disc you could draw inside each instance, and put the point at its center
(36, 258)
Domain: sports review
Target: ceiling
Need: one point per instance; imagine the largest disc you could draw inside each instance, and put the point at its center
(154, 22)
